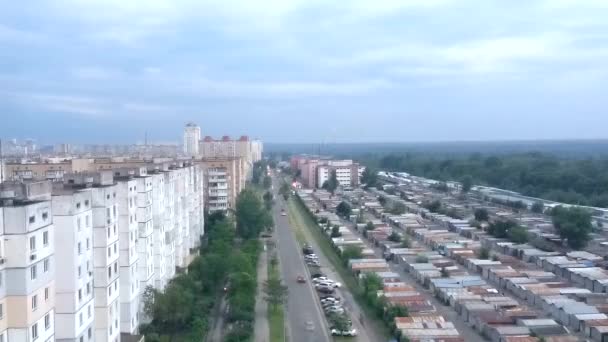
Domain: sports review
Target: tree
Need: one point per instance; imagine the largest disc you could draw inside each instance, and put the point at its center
(481, 214)
(500, 229)
(398, 208)
(518, 234)
(268, 200)
(370, 226)
(484, 254)
(538, 207)
(251, 217)
(275, 291)
(434, 206)
(267, 182)
(406, 242)
(467, 184)
(352, 252)
(343, 209)
(170, 310)
(369, 177)
(332, 183)
(395, 311)
(335, 232)
(285, 190)
(382, 200)
(444, 273)
(339, 322)
(394, 237)
(573, 225)
(421, 259)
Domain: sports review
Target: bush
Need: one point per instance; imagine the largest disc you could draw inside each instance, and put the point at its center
(484, 254)
(421, 259)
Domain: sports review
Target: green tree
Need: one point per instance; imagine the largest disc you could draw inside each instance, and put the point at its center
(573, 225)
(421, 259)
(369, 226)
(340, 322)
(267, 182)
(467, 184)
(395, 311)
(394, 237)
(285, 190)
(518, 234)
(268, 200)
(484, 254)
(251, 217)
(343, 209)
(481, 214)
(369, 177)
(171, 310)
(275, 292)
(332, 183)
(434, 206)
(406, 242)
(352, 252)
(538, 207)
(382, 200)
(398, 208)
(335, 232)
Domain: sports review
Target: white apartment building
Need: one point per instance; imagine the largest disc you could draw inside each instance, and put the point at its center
(28, 274)
(348, 173)
(128, 256)
(105, 258)
(75, 307)
(192, 136)
(145, 243)
(3, 304)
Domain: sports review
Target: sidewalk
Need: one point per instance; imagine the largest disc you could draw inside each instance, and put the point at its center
(261, 330)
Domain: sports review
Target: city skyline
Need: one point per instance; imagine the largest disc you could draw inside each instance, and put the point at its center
(532, 70)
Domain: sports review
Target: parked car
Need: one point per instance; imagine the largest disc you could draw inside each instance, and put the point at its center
(320, 279)
(330, 300)
(325, 289)
(317, 275)
(334, 310)
(352, 332)
(328, 296)
(308, 250)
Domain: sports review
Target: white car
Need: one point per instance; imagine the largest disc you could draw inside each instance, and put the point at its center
(351, 332)
(320, 280)
(330, 301)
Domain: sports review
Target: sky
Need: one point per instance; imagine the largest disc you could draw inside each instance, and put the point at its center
(112, 71)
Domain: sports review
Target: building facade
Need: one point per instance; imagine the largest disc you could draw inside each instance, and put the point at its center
(192, 136)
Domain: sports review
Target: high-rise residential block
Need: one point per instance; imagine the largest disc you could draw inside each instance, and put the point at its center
(192, 136)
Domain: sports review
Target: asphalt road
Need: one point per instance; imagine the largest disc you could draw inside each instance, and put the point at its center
(302, 301)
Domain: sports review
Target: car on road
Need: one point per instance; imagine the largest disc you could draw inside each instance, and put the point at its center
(283, 213)
(350, 333)
(300, 279)
(310, 326)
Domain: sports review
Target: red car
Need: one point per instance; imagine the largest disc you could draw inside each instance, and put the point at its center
(301, 279)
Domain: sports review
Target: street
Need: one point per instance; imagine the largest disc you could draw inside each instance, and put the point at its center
(302, 303)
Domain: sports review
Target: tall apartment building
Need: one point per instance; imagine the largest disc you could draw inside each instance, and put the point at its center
(223, 181)
(128, 255)
(72, 216)
(105, 256)
(249, 150)
(28, 262)
(192, 136)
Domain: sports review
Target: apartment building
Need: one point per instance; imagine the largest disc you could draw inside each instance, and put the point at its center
(223, 181)
(105, 255)
(249, 150)
(192, 136)
(128, 255)
(72, 217)
(28, 262)
(348, 173)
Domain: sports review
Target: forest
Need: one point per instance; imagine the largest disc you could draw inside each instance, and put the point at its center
(574, 181)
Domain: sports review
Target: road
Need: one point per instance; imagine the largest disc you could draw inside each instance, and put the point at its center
(216, 332)
(261, 330)
(302, 302)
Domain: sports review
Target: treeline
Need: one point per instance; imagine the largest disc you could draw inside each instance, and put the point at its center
(582, 182)
(184, 308)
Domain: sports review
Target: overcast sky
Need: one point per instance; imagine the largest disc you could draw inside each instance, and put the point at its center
(304, 70)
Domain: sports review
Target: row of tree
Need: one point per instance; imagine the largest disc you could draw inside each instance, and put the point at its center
(229, 257)
(582, 182)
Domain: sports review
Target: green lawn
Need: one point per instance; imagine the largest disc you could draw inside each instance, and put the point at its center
(276, 317)
(301, 218)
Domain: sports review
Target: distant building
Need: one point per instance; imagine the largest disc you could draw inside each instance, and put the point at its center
(224, 180)
(314, 171)
(249, 150)
(192, 136)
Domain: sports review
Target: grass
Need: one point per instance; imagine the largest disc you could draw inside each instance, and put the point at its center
(276, 316)
(302, 218)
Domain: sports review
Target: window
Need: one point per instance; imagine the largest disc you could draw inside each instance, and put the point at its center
(88, 288)
(46, 265)
(88, 244)
(90, 333)
(45, 215)
(78, 205)
(79, 248)
(81, 339)
(109, 251)
(1, 311)
(46, 293)
(86, 203)
(109, 231)
(86, 220)
(33, 243)
(45, 238)
(47, 322)
(109, 271)
(33, 272)
(35, 331)
(32, 219)
(34, 302)
(79, 223)
(80, 320)
(116, 244)
(79, 271)
(89, 311)
(79, 294)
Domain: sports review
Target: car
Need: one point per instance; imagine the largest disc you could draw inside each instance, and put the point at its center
(334, 310)
(317, 275)
(320, 279)
(311, 256)
(328, 305)
(327, 296)
(330, 300)
(351, 332)
(310, 326)
(308, 250)
(313, 263)
(325, 290)
(283, 213)
(300, 279)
